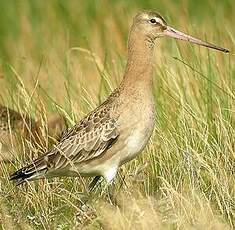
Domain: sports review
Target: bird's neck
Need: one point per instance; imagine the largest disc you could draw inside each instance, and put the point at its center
(138, 71)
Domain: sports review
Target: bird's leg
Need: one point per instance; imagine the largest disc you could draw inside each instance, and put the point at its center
(109, 176)
(105, 188)
(113, 191)
(88, 197)
(123, 182)
(108, 191)
(111, 195)
(84, 205)
(92, 185)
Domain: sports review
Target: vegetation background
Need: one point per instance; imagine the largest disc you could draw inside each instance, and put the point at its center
(67, 56)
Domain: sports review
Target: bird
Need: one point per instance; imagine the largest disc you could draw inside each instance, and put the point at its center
(15, 124)
(117, 130)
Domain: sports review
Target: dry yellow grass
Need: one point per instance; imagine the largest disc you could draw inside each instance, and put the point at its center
(66, 56)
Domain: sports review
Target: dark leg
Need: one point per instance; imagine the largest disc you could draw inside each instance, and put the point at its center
(93, 183)
(111, 195)
(85, 210)
(123, 182)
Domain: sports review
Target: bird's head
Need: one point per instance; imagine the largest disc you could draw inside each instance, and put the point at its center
(152, 25)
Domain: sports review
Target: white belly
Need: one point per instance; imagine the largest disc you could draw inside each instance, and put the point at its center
(136, 142)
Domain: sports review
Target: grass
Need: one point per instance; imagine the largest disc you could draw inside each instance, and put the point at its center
(66, 56)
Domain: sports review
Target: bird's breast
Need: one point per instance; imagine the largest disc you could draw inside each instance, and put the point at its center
(138, 132)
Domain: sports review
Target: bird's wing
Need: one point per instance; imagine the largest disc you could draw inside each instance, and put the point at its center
(85, 141)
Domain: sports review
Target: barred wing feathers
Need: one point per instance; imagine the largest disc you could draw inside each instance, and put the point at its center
(85, 141)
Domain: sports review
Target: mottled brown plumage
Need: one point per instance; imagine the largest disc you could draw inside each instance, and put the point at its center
(11, 119)
(15, 125)
(118, 130)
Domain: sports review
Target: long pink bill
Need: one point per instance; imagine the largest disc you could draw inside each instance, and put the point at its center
(171, 32)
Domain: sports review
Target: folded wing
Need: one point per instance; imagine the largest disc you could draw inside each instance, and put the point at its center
(85, 141)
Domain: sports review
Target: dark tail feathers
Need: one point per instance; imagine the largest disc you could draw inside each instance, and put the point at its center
(35, 170)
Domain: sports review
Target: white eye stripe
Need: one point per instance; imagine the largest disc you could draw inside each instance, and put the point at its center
(158, 20)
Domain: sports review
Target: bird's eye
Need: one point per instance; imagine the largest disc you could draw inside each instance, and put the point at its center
(153, 21)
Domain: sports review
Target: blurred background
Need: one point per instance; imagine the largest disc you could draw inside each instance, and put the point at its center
(63, 44)
(67, 56)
